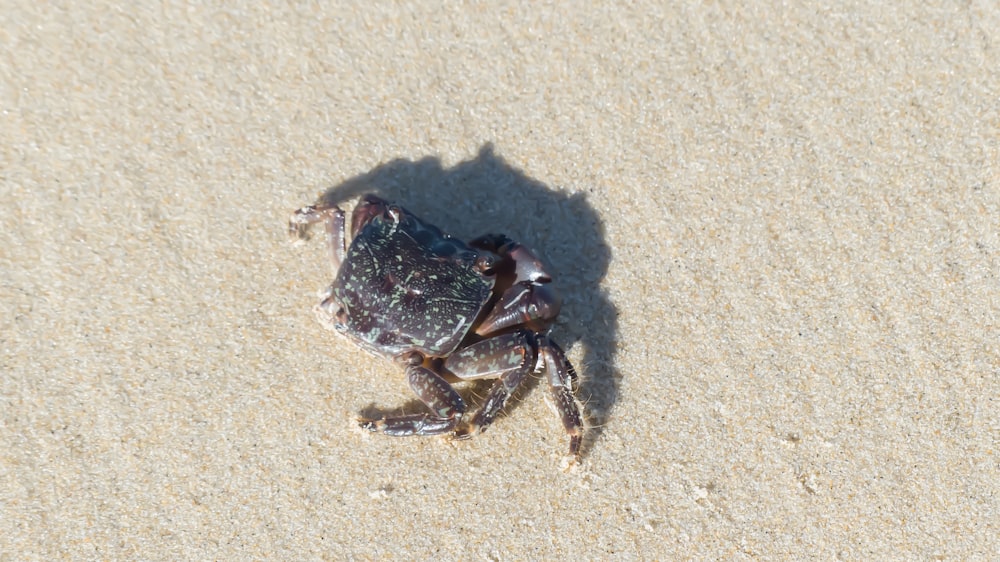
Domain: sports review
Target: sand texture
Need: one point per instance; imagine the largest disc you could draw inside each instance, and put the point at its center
(776, 230)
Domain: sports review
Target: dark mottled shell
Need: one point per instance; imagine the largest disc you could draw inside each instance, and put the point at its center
(407, 286)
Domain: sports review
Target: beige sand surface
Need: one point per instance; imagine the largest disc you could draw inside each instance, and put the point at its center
(776, 229)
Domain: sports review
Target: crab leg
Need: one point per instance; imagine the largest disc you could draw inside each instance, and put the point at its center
(437, 394)
(562, 378)
(509, 357)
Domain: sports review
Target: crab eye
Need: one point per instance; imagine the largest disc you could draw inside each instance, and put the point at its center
(485, 263)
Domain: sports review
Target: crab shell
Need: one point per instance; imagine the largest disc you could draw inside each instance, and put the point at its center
(405, 286)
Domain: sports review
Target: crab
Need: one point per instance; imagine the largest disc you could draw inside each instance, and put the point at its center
(443, 310)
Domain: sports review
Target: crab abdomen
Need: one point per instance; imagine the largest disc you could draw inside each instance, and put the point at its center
(406, 286)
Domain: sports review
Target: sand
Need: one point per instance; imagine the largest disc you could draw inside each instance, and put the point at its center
(776, 230)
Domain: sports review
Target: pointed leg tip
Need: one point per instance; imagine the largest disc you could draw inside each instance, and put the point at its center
(463, 433)
(570, 463)
(372, 425)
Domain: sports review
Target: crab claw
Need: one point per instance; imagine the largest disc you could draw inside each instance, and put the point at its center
(529, 301)
(526, 304)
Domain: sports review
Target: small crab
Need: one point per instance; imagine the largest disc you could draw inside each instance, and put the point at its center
(442, 309)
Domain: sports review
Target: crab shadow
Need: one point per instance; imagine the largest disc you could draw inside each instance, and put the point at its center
(487, 195)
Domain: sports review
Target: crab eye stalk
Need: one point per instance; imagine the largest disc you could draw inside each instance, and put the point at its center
(486, 263)
(366, 211)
